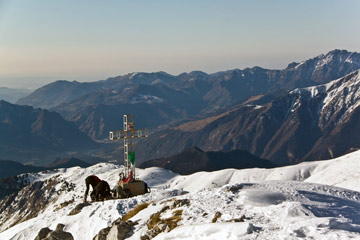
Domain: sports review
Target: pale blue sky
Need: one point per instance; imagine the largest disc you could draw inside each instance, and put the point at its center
(85, 40)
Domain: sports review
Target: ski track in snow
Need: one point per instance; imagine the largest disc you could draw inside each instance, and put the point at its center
(313, 200)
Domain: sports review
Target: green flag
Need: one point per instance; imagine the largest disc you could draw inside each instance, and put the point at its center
(132, 157)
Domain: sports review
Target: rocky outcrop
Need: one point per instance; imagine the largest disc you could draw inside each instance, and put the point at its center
(43, 233)
(30, 201)
(10, 185)
(78, 208)
(158, 224)
(119, 230)
(57, 234)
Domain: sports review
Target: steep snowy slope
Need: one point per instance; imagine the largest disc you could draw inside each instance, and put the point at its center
(341, 97)
(303, 201)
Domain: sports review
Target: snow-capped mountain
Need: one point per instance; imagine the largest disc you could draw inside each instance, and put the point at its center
(317, 200)
(339, 99)
(313, 123)
(93, 106)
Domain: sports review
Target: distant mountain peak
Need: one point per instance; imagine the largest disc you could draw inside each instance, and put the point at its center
(336, 55)
(194, 160)
(338, 51)
(28, 133)
(292, 65)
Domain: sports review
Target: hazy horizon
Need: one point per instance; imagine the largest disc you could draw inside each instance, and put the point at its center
(43, 41)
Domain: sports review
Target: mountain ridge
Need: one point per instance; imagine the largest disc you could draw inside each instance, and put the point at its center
(194, 160)
(12, 94)
(160, 100)
(29, 134)
(174, 98)
(283, 131)
(12, 168)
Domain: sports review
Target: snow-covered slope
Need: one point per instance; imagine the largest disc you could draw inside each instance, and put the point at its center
(315, 200)
(338, 98)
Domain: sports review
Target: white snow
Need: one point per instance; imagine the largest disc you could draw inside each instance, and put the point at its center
(208, 231)
(157, 81)
(254, 106)
(341, 97)
(133, 75)
(150, 99)
(323, 61)
(297, 66)
(258, 107)
(312, 200)
(335, 100)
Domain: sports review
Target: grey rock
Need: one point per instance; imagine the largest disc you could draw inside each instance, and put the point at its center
(42, 233)
(78, 208)
(58, 234)
(102, 234)
(118, 231)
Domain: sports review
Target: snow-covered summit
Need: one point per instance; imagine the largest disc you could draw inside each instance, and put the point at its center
(333, 57)
(336, 100)
(313, 200)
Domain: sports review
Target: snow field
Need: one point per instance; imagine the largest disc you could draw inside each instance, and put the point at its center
(314, 200)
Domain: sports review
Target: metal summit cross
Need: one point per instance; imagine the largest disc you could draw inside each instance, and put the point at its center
(128, 134)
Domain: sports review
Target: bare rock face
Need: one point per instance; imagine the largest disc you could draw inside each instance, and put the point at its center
(102, 234)
(58, 234)
(29, 202)
(117, 231)
(43, 233)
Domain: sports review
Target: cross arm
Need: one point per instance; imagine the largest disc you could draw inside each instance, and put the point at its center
(139, 133)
